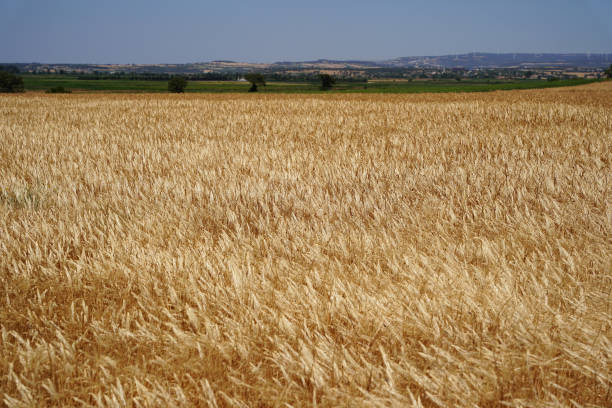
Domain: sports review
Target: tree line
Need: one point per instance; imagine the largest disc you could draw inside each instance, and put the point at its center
(11, 82)
(212, 76)
(178, 83)
(161, 76)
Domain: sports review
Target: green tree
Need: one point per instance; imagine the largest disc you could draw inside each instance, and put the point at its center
(255, 79)
(177, 84)
(13, 69)
(608, 72)
(10, 82)
(327, 81)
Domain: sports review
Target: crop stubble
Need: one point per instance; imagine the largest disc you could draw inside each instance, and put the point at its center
(444, 250)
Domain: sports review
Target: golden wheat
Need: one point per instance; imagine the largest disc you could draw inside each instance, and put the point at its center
(434, 250)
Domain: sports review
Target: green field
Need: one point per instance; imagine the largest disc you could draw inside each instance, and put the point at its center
(44, 82)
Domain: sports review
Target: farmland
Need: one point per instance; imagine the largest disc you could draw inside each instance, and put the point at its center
(45, 82)
(330, 250)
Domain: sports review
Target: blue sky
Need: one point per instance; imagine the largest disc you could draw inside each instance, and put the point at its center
(156, 31)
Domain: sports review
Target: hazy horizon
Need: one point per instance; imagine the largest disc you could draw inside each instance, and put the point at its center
(155, 32)
(302, 60)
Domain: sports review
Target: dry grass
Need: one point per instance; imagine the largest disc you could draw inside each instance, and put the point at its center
(443, 250)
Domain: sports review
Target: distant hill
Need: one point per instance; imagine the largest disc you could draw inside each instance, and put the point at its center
(490, 60)
(476, 60)
(469, 61)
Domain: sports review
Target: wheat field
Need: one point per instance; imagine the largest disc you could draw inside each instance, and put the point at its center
(449, 250)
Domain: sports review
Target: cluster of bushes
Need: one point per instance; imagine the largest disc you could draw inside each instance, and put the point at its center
(59, 89)
(9, 82)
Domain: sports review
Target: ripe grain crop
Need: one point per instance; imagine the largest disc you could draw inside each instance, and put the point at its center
(335, 250)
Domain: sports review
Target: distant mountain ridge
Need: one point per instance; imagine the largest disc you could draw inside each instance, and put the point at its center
(507, 60)
(481, 60)
(471, 61)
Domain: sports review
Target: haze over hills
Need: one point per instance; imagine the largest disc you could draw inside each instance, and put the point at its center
(515, 60)
(483, 60)
(469, 61)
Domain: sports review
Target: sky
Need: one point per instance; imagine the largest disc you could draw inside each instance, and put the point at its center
(182, 31)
